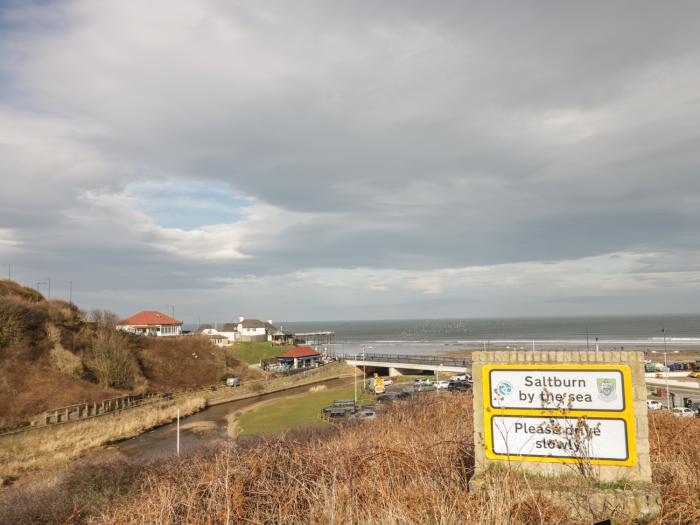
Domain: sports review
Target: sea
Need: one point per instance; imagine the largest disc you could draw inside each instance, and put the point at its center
(438, 336)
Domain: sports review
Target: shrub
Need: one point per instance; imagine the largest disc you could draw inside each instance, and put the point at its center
(20, 321)
(111, 362)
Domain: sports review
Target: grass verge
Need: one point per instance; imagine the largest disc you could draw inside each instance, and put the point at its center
(253, 352)
(294, 412)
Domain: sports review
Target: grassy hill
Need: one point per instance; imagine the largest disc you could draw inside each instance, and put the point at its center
(52, 356)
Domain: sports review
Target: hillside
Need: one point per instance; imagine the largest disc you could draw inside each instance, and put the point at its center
(52, 356)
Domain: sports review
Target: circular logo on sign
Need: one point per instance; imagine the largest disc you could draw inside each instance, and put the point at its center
(504, 388)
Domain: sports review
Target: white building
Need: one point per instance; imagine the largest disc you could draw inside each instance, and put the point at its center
(151, 322)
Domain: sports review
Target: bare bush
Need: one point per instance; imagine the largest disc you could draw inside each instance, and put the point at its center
(111, 361)
(103, 318)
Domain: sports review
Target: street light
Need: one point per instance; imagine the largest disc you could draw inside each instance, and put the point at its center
(666, 352)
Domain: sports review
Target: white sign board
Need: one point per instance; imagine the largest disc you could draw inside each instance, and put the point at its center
(556, 437)
(589, 390)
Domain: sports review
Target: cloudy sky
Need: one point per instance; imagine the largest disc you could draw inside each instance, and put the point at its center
(353, 160)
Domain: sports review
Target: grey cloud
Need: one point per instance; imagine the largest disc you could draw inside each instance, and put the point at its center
(422, 137)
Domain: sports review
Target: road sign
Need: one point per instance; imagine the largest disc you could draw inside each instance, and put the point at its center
(559, 413)
(378, 385)
(575, 389)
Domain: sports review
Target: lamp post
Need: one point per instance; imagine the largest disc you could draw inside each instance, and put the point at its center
(666, 352)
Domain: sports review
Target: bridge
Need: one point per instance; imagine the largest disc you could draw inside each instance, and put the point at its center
(400, 364)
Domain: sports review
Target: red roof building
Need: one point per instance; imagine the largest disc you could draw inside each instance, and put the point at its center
(151, 322)
(299, 357)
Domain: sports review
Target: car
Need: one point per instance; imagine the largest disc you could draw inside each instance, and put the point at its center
(421, 381)
(694, 374)
(233, 381)
(388, 381)
(423, 387)
(463, 377)
(404, 394)
(387, 397)
(459, 386)
(441, 385)
(364, 414)
(682, 412)
(653, 404)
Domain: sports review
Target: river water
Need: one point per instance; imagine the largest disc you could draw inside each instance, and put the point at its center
(208, 426)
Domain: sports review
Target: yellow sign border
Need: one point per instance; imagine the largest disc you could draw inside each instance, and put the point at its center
(627, 415)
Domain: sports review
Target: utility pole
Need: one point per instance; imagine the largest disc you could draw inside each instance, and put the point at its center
(70, 292)
(668, 394)
(178, 432)
(588, 347)
(48, 280)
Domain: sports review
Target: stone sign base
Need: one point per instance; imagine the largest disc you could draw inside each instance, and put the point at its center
(588, 499)
(589, 503)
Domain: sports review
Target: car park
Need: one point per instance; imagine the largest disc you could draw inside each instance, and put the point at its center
(423, 387)
(682, 412)
(653, 404)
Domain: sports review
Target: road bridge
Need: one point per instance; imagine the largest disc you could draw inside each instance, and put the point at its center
(400, 364)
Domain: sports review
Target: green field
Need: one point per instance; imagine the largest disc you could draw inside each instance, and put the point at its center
(253, 353)
(303, 411)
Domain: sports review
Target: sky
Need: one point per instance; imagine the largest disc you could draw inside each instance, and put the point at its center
(317, 160)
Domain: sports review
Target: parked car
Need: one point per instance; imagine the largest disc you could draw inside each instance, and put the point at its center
(463, 377)
(458, 386)
(233, 381)
(695, 407)
(694, 374)
(421, 381)
(387, 397)
(423, 387)
(364, 414)
(388, 381)
(653, 404)
(441, 385)
(682, 412)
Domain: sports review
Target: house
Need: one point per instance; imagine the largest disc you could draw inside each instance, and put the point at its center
(255, 330)
(299, 357)
(219, 340)
(151, 322)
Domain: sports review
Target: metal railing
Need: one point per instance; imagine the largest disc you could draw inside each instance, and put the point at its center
(409, 359)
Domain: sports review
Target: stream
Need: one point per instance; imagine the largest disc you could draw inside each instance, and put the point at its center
(206, 426)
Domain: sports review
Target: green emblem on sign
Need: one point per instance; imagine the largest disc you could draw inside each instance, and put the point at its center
(606, 389)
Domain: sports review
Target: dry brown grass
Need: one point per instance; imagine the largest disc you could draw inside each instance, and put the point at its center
(53, 446)
(411, 465)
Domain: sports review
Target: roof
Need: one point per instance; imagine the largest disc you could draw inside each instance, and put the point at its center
(300, 351)
(229, 327)
(255, 323)
(149, 318)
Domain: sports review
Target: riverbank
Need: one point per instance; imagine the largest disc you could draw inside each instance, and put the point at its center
(54, 446)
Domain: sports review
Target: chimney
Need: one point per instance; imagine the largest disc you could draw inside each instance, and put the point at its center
(241, 319)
